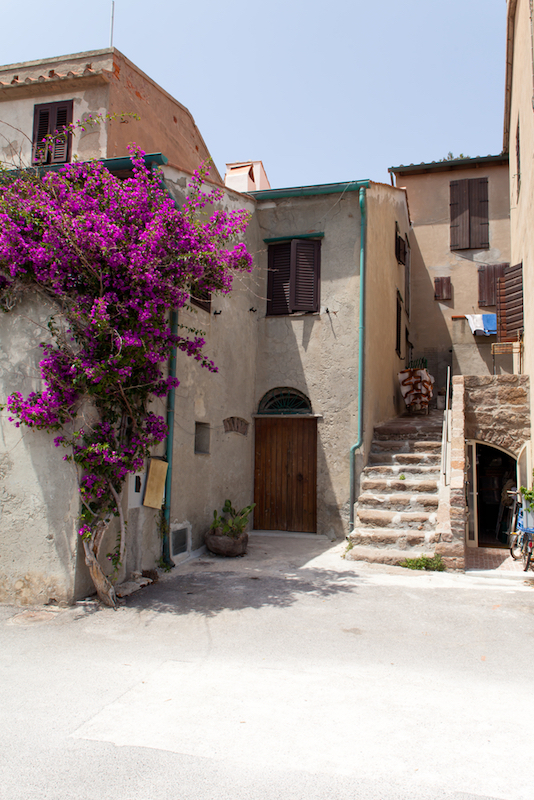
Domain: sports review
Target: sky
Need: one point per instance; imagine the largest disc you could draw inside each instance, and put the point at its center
(321, 92)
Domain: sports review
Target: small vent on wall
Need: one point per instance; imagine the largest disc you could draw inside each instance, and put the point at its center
(180, 540)
(236, 424)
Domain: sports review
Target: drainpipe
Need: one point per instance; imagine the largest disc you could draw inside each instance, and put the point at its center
(169, 442)
(361, 352)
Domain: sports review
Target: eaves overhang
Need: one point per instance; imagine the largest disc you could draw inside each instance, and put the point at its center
(447, 166)
(115, 165)
(52, 75)
(309, 191)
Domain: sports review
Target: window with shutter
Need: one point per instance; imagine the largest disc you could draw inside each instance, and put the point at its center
(488, 274)
(51, 118)
(469, 214)
(293, 282)
(408, 281)
(510, 304)
(400, 249)
(201, 297)
(442, 288)
(398, 325)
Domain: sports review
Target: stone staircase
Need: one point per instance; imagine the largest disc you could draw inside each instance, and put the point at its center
(397, 510)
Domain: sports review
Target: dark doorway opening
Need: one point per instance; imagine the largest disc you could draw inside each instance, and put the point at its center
(496, 474)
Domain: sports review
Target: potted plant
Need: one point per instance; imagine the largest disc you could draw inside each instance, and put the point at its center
(227, 535)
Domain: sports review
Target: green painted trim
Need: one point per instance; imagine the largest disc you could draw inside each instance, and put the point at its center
(307, 191)
(124, 162)
(442, 166)
(297, 236)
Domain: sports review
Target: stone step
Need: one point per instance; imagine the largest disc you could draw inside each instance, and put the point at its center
(399, 502)
(387, 537)
(391, 485)
(405, 446)
(385, 518)
(391, 432)
(409, 471)
(386, 555)
(424, 459)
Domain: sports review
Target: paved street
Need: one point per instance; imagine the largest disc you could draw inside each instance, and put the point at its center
(290, 673)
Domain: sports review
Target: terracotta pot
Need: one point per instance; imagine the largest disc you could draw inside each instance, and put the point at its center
(223, 545)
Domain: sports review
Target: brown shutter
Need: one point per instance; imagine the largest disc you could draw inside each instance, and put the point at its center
(459, 205)
(400, 249)
(488, 275)
(510, 304)
(279, 278)
(201, 297)
(442, 288)
(60, 146)
(478, 213)
(41, 128)
(304, 294)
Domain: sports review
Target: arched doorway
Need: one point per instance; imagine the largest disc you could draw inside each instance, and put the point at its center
(491, 472)
(285, 463)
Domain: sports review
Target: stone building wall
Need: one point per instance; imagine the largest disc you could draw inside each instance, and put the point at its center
(494, 410)
(497, 410)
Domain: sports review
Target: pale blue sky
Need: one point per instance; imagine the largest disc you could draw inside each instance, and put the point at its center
(319, 91)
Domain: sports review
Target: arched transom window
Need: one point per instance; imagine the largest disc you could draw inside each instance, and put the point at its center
(284, 400)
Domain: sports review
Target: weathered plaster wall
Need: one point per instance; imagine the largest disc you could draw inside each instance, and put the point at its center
(39, 503)
(99, 82)
(522, 195)
(165, 125)
(201, 483)
(385, 278)
(471, 355)
(433, 326)
(16, 122)
(317, 354)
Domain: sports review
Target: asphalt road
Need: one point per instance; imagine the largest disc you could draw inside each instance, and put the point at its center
(289, 673)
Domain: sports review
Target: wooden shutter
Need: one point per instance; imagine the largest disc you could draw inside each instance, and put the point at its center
(478, 213)
(49, 118)
(304, 287)
(41, 128)
(442, 288)
(459, 205)
(60, 145)
(510, 304)
(279, 278)
(488, 274)
(200, 297)
(400, 249)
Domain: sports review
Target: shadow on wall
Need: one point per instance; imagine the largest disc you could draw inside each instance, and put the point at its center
(431, 337)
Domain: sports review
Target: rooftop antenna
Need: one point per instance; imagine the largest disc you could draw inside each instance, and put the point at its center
(112, 21)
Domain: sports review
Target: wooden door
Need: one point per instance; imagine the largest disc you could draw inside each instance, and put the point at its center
(285, 478)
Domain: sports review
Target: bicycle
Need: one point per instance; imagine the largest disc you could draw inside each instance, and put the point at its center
(522, 542)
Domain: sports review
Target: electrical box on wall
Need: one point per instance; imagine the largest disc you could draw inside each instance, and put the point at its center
(136, 489)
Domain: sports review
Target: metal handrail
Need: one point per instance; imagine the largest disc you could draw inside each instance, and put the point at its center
(445, 471)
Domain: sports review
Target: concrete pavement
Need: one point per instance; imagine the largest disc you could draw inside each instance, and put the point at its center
(290, 673)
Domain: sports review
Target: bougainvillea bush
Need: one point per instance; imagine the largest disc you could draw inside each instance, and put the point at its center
(115, 257)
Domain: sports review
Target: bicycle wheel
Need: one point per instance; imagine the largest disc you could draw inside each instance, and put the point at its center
(515, 547)
(527, 553)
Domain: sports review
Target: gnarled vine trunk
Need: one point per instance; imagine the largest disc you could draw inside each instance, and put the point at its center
(104, 587)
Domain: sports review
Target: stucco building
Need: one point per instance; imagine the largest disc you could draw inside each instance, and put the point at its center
(308, 345)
